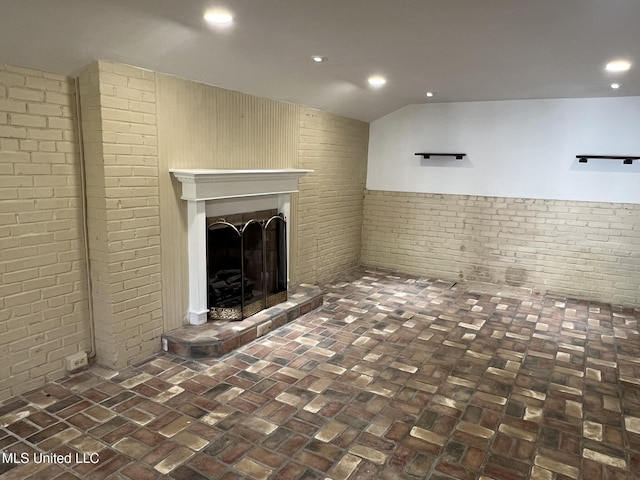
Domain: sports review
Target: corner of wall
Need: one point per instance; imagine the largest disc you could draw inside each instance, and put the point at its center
(330, 204)
(119, 128)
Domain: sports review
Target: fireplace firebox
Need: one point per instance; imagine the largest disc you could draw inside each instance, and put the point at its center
(246, 264)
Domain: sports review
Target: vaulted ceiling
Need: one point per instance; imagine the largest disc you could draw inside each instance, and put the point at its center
(462, 50)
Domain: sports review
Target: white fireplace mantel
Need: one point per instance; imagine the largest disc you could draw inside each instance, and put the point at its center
(217, 190)
(219, 184)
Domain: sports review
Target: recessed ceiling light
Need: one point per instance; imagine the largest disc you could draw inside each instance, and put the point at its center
(377, 81)
(429, 94)
(618, 66)
(319, 58)
(615, 86)
(218, 17)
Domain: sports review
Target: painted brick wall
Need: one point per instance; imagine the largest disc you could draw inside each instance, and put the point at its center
(330, 201)
(119, 128)
(582, 249)
(43, 295)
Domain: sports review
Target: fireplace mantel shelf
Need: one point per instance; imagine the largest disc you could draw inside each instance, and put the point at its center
(198, 184)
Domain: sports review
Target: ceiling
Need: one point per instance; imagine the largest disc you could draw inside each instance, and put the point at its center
(463, 50)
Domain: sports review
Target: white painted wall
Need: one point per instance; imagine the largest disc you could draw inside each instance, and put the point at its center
(519, 148)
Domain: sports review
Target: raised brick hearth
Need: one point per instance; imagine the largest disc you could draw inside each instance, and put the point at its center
(217, 338)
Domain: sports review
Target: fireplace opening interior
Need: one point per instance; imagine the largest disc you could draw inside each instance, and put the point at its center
(246, 264)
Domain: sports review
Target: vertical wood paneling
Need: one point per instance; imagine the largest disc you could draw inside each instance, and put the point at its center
(200, 126)
(256, 132)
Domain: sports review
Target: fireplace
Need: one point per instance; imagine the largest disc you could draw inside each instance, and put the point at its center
(246, 264)
(227, 210)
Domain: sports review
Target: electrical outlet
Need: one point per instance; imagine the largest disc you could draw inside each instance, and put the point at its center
(76, 361)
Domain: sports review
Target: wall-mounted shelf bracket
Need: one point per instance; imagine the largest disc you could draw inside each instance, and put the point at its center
(429, 155)
(627, 160)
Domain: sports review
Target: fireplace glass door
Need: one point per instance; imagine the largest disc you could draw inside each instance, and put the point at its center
(253, 267)
(224, 271)
(246, 265)
(276, 260)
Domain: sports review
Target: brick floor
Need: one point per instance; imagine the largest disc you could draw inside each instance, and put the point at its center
(395, 377)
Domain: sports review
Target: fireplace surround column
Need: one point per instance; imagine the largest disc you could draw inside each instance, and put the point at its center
(197, 238)
(220, 190)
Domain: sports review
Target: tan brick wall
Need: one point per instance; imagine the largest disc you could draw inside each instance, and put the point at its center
(43, 285)
(43, 295)
(331, 199)
(582, 249)
(119, 129)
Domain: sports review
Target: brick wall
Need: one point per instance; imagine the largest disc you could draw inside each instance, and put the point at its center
(43, 299)
(331, 199)
(43, 295)
(119, 129)
(581, 249)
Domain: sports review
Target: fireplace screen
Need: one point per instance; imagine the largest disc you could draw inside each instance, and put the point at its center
(246, 264)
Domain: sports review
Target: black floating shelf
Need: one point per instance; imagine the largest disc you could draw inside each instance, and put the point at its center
(627, 160)
(429, 155)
